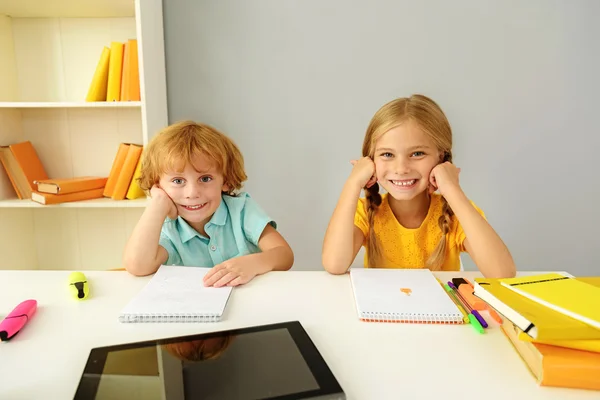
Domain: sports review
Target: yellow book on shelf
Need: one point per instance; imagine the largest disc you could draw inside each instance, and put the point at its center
(562, 293)
(97, 90)
(536, 320)
(115, 70)
(135, 191)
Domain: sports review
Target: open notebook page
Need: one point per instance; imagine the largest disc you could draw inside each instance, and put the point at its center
(402, 294)
(175, 293)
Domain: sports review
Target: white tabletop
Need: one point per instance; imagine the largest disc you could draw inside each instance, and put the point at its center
(370, 360)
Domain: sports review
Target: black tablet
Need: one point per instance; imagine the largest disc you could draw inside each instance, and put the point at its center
(277, 361)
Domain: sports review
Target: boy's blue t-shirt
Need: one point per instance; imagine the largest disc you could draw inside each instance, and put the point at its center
(233, 231)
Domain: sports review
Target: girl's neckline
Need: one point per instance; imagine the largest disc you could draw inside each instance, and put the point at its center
(432, 199)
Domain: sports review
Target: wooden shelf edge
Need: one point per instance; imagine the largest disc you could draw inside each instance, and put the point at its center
(71, 104)
(95, 203)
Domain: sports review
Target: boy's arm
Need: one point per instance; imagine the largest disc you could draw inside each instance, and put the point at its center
(143, 255)
(483, 244)
(343, 239)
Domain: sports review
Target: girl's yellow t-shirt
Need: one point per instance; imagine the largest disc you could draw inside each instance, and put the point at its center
(410, 248)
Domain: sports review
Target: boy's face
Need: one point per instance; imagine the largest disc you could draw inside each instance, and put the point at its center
(404, 157)
(196, 191)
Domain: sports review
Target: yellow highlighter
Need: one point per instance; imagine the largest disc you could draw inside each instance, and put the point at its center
(460, 308)
(78, 285)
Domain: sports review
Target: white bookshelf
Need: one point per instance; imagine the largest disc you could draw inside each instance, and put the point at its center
(49, 50)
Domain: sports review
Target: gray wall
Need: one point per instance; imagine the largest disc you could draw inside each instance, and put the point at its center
(295, 84)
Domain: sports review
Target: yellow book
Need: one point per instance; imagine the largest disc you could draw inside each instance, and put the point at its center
(134, 191)
(97, 90)
(537, 321)
(587, 345)
(561, 293)
(115, 69)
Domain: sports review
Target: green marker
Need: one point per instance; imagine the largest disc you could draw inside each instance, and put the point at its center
(476, 324)
(472, 319)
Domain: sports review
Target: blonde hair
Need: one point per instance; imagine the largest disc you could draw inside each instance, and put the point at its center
(431, 119)
(199, 350)
(178, 143)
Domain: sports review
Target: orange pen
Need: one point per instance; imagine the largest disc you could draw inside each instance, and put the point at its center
(466, 289)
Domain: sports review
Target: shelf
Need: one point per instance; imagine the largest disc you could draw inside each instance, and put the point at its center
(67, 8)
(72, 104)
(95, 203)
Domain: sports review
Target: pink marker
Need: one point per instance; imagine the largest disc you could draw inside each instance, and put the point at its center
(16, 320)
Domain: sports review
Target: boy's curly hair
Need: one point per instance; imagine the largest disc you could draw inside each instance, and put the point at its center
(177, 144)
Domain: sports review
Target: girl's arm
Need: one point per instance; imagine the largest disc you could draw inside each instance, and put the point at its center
(343, 239)
(483, 244)
(143, 255)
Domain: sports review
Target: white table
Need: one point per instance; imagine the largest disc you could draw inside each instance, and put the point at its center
(370, 360)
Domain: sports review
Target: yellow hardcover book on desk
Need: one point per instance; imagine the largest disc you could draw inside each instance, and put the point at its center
(561, 293)
(537, 321)
(587, 345)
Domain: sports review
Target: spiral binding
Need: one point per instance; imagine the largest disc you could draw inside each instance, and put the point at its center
(169, 318)
(412, 318)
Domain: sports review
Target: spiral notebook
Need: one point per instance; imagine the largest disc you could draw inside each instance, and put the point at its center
(402, 295)
(177, 294)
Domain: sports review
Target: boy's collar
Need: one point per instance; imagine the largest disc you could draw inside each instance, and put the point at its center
(186, 232)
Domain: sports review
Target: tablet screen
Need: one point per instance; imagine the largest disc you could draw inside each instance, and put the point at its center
(268, 362)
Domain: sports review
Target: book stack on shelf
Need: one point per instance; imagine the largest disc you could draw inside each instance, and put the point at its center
(117, 76)
(30, 180)
(122, 181)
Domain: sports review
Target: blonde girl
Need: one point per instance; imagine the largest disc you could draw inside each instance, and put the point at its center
(425, 220)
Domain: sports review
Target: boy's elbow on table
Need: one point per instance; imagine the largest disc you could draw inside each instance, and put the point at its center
(289, 259)
(137, 268)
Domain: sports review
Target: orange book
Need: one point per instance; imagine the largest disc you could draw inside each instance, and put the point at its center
(13, 171)
(126, 174)
(115, 170)
(556, 366)
(71, 185)
(29, 166)
(48, 198)
(130, 81)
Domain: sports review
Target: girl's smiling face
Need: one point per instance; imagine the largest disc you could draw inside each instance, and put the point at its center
(404, 157)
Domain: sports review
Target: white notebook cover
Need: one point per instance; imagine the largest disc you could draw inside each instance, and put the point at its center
(177, 294)
(402, 295)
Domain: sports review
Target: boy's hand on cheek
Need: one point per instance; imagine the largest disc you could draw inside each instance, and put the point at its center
(234, 272)
(158, 195)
